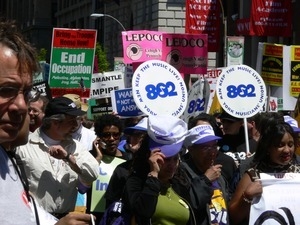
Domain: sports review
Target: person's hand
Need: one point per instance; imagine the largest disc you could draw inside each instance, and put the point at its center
(156, 160)
(98, 145)
(254, 189)
(57, 152)
(214, 172)
(76, 219)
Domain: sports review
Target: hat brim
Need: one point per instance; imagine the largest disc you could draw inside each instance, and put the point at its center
(130, 130)
(296, 129)
(207, 139)
(77, 112)
(167, 150)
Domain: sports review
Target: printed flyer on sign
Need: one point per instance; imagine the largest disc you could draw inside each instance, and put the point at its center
(272, 64)
(141, 45)
(235, 51)
(72, 60)
(295, 71)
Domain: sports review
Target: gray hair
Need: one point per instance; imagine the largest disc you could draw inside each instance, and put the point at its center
(48, 120)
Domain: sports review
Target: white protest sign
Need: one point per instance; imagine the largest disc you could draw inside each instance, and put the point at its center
(241, 91)
(159, 89)
(198, 97)
(103, 83)
(279, 200)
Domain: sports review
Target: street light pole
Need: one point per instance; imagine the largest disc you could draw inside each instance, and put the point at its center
(97, 15)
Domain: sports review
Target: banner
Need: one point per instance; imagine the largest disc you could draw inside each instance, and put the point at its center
(203, 17)
(186, 52)
(243, 27)
(279, 200)
(271, 18)
(72, 59)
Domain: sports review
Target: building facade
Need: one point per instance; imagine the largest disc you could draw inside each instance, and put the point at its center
(38, 17)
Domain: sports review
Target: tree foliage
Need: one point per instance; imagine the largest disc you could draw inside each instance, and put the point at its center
(41, 55)
(103, 64)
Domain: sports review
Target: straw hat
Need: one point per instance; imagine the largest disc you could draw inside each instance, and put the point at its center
(77, 100)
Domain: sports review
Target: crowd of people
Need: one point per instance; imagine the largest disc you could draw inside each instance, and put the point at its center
(162, 169)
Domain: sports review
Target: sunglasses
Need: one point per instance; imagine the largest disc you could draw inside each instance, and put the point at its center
(107, 135)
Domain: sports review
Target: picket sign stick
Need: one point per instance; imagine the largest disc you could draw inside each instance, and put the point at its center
(246, 135)
(92, 219)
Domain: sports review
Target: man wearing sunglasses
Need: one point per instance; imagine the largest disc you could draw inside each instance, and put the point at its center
(57, 165)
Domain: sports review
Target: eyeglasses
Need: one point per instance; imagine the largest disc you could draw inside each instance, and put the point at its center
(34, 111)
(107, 135)
(9, 93)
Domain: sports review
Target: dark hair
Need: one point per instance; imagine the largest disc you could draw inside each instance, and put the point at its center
(11, 37)
(264, 119)
(208, 118)
(107, 120)
(271, 137)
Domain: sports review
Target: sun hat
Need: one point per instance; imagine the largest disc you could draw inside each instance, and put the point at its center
(77, 100)
(292, 122)
(200, 134)
(62, 105)
(141, 126)
(166, 133)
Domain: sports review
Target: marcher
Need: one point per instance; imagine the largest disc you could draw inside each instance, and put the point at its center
(233, 141)
(17, 64)
(80, 133)
(228, 164)
(212, 187)
(36, 111)
(118, 179)
(108, 129)
(55, 164)
(275, 153)
(157, 191)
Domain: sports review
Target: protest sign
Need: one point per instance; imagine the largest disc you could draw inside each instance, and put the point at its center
(198, 97)
(72, 59)
(159, 89)
(279, 201)
(141, 45)
(106, 168)
(103, 83)
(241, 83)
(123, 103)
(186, 52)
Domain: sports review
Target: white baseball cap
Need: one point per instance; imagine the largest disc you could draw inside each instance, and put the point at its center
(293, 123)
(200, 134)
(141, 125)
(166, 133)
